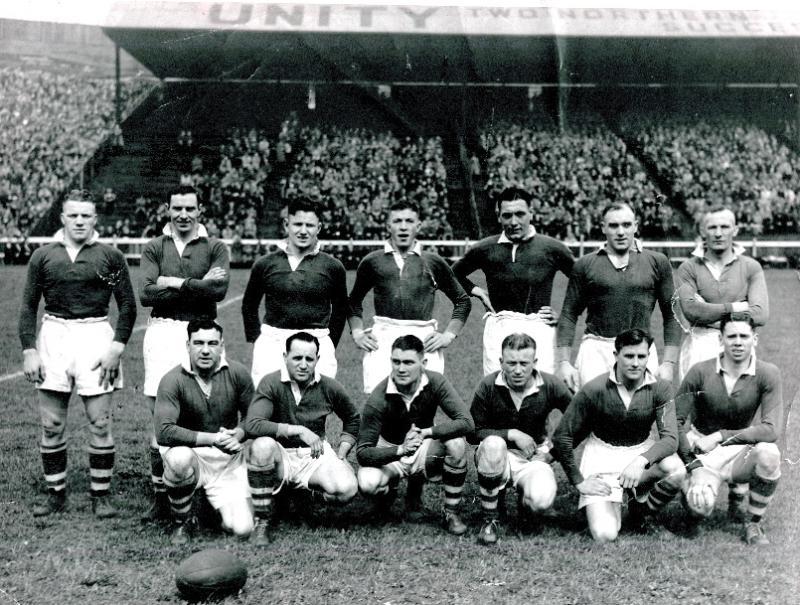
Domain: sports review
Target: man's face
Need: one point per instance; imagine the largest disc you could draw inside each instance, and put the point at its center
(302, 229)
(184, 211)
(403, 228)
(515, 218)
(518, 366)
(619, 226)
(632, 362)
(718, 230)
(738, 341)
(79, 219)
(205, 350)
(301, 360)
(407, 367)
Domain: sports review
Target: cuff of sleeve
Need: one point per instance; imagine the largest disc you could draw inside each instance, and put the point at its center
(283, 430)
(739, 307)
(347, 438)
(693, 465)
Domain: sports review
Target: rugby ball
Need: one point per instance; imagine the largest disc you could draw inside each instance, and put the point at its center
(210, 573)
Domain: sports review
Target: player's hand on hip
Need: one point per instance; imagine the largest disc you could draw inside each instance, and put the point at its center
(438, 340)
(524, 442)
(569, 374)
(548, 315)
(109, 364)
(666, 371)
(215, 273)
(594, 486)
(632, 474)
(365, 340)
(32, 366)
(483, 296)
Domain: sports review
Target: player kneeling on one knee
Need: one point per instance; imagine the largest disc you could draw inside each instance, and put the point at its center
(510, 410)
(199, 423)
(613, 413)
(288, 417)
(720, 437)
(398, 438)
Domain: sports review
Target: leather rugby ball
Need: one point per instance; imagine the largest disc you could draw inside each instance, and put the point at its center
(211, 573)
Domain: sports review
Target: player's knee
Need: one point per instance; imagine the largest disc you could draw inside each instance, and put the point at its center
(371, 481)
(491, 456)
(239, 524)
(540, 497)
(603, 531)
(345, 489)
(263, 451)
(52, 429)
(768, 459)
(673, 469)
(100, 425)
(178, 462)
(456, 450)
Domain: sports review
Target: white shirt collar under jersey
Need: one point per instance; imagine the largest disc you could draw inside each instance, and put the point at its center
(297, 392)
(624, 393)
(516, 397)
(700, 252)
(635, 246)
(615, 260)
(728, 379)
(398, 258)
(71, 251)
(180, 245)
(503, 239)
(294, 261)
(391, 389)
(204, 386)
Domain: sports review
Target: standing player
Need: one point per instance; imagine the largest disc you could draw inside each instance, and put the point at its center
(288, 417)
(619, 286)
(77, 350)
(398, 438)
(519, 265)
(613, 413)
(730, 415)
(184, 276)
(717, 280)
(303, 289)
(405, 280)
(199, 423)
(510, 410)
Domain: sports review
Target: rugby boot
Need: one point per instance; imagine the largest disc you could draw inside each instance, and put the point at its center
(737, 507)
(754, 534)
(488, 533)
(56, 502)
(453, 523)
(103, 507)
(181, 533)
(262, 534)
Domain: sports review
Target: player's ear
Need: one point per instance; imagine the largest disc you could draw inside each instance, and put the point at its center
(755, 339)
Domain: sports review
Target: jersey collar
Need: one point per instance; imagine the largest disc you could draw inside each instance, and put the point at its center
(700, 251)
(284, 246)
(503, 239)
(288, 379)
(751, 367)
(93, 238)
(391, 389)
(538, 382)
(201, 232)
(636, 246)
(187, 365)
(648, 378)
(415, 249)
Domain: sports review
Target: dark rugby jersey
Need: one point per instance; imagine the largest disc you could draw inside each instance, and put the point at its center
(77, 290)
(196, 298)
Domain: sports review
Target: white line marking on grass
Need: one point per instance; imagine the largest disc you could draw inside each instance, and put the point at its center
(222, 305)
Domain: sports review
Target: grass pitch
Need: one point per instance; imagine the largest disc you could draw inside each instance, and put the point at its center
(324, 554)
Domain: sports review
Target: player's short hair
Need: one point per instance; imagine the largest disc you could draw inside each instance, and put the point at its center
(409, 342)
(613, 206)
(632, 337)
(302, 337)
(204, 323)
(512, 194)
(518, 341)
(400, 205)
(79, 195)
(303, 204)
(182, 190)
(742, 316)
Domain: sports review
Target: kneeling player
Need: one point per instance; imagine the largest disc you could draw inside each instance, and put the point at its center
(398, 438)
(614, 413)
(720, 437)
(288, 416)
(510, 409)
(199, 425)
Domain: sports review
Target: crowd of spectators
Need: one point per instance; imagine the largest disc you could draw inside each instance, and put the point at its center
(572, 174)
(50, 124)
(724, 160)
(358, 174)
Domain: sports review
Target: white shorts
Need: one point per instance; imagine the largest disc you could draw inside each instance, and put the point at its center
(517, 467)
(698, 345)
(413, 464)
(499, 325)
(270, 346)
(608, 461)
(69, 348)
(721, 459)
(222, 476)
(299, 466)
(163, 348)
(596, 356)
(377, 364)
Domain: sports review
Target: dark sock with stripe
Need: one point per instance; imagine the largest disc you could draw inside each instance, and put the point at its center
(101, 467)
(661, 494)
(54, 463)
(180, 498)
(490, 487)
(761, 492)
(262, 481)
(157, 472)
(453, 478)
